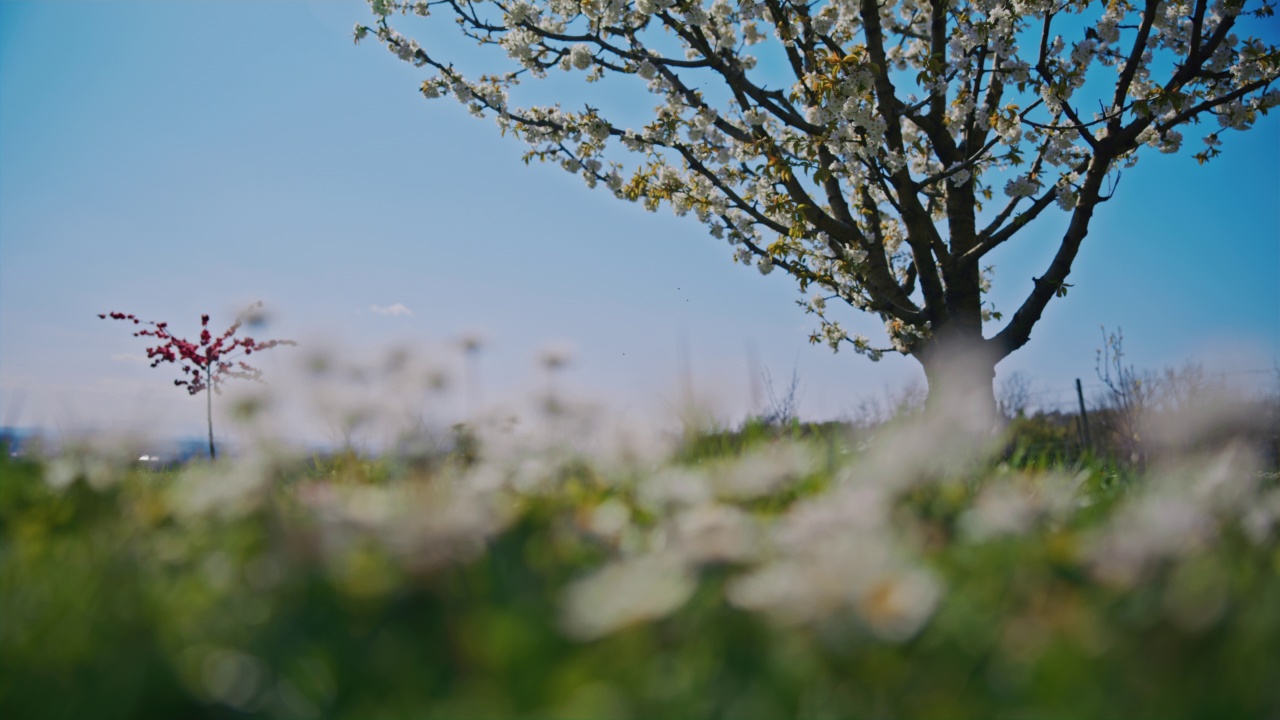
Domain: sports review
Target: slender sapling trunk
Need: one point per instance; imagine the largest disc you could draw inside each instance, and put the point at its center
(208, 391)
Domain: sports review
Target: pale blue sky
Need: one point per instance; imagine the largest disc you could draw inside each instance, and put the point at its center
(169, 159)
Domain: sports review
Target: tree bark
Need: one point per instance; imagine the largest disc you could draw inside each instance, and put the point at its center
(960, 368)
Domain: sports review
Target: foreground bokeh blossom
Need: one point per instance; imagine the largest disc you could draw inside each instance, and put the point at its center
(569, 569)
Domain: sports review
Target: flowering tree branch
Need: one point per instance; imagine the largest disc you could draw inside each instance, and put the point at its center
(867, 172)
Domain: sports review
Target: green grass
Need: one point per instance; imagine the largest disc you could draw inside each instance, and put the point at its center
(359, 587)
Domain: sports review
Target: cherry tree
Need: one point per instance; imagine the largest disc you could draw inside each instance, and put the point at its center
(876, 152)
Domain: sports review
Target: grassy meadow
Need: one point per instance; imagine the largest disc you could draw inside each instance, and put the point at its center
(913, 568)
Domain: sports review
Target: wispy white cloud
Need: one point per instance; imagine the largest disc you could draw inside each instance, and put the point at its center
(128, 358)
(396, 309)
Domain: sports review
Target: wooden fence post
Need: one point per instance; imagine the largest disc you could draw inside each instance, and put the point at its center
(1084, 418)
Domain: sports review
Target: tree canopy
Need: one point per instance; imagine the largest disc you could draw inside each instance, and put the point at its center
(876, 152)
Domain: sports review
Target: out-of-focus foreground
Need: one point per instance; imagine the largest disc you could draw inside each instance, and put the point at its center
(906, 569)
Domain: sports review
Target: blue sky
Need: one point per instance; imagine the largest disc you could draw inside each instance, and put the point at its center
(169, 159)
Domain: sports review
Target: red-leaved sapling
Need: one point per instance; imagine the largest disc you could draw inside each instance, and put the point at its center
(208, 363)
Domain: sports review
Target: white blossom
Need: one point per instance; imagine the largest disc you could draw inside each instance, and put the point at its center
(1022, 186)
(580, 56)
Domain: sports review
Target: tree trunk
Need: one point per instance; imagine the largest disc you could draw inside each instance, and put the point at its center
(208, 391)
(961, 373)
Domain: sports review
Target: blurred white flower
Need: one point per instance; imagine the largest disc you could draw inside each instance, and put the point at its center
(230, 488)
(436, 526)
(61, 472)
(609, 518)
(1261, 518)
(717, 533)
(764, 471)
(786, 591)
(231, 677)
(848, 511)
(1001, 508)
(841, 573)
(897, 606)
(1150, 528)
(674, 486)
(626, 592)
